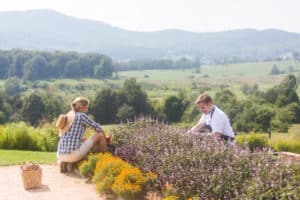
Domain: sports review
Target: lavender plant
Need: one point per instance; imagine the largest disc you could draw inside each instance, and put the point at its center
(199, 166)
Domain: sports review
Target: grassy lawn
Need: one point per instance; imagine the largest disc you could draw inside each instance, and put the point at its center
(15, 157)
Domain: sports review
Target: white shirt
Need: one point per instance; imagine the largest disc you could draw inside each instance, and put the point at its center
(218, 121)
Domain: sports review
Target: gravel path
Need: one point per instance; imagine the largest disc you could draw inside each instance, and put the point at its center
(55, 186)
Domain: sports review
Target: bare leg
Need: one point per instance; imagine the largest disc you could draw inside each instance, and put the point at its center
(99, 138)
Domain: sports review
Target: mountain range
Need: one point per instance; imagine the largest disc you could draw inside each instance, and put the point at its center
(50, 30)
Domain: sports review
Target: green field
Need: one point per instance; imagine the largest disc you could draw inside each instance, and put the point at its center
(161, 83)
(15, 157)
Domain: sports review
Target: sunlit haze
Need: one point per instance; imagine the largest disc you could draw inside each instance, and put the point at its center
(192, 15)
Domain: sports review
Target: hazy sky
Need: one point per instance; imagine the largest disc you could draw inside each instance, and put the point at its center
(193, 15)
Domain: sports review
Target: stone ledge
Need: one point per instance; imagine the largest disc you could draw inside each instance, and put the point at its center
(289, 156)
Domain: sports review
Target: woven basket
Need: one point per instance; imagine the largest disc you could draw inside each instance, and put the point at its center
(31, 178)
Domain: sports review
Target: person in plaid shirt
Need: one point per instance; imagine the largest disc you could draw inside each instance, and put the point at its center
(71, 147)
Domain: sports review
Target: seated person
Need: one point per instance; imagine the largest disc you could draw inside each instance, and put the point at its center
(70, 147)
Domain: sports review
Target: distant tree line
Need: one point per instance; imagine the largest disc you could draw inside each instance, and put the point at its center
(181, 63)
(35, 65)
(274, 109)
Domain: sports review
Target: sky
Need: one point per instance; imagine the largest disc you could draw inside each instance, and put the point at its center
(190, 15)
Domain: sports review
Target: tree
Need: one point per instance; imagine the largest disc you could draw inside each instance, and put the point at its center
(275, 70)
(228, 102)
(104, 69)
(35, 68)
(173, 108)
(125, 112)
(104, 106)
(12, 86)
(136, 97)
(254, 117)
(72, 69)
(53, 106)
(33, 109)
(282, 119)
(4, 66)
(17, 66)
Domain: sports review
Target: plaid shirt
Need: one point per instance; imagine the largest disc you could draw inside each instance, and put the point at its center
(71, 140)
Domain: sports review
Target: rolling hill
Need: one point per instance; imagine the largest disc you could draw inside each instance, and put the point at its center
(50, 30)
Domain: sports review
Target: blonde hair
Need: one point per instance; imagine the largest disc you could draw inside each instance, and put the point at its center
(78, 103)
(203, 98)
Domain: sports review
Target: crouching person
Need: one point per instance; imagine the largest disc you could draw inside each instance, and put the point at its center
(213, 120)
(71, 147)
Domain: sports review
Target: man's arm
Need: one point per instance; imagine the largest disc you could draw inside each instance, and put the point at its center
(196, 129)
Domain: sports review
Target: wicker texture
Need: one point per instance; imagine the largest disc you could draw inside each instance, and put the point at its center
(31, 178)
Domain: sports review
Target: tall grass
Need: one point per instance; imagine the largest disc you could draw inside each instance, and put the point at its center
(253, 140)
(287, 141)
(22, 137)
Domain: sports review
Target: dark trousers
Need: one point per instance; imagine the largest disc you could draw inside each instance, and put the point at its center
(226, 138)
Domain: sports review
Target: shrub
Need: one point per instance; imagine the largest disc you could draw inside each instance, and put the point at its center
(18, 136)
(23, 137)
(111, 174)
(284, 142)
(199, 166)
(129, 183)
(87, 167)
(274, 182)
(253, 140)
(107, 168)
(172, 197)
(48, 138)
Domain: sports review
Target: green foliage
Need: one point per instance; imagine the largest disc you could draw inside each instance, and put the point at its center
(33, 65)
(295, 109)
(125, 112)
(48, 138)
(136, 97)
(33, 109)
(286, 145)
(105, 104)
(282, 120)
(4, 66)
(53, 106)
(87, 167)
(22, 137)
(227, 101)
(173, 108)
(191, 114)
(286, 141)
(283, 94)
(247, 89)
(275, 70)
(254, 117)
(18, 136)
(12, 86)
(253, 140)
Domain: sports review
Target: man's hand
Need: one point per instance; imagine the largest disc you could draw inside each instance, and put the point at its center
(216, 135)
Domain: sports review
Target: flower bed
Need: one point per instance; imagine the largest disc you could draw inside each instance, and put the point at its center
(194, 166)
